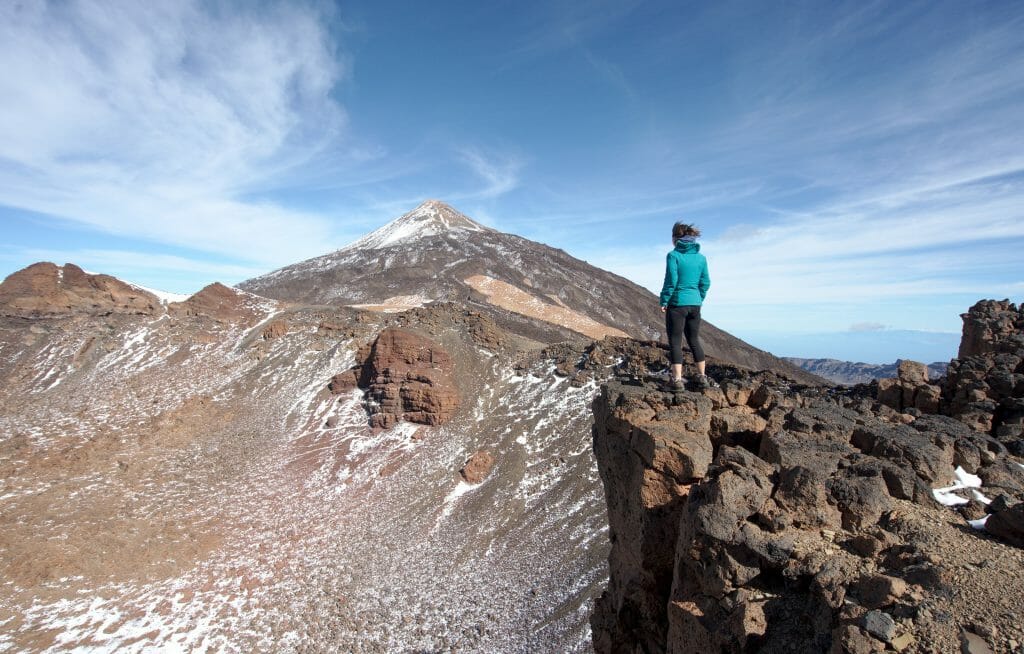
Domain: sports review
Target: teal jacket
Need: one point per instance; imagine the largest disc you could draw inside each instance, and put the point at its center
(686, 276)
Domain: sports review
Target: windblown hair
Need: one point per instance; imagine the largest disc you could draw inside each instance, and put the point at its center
(679, 230)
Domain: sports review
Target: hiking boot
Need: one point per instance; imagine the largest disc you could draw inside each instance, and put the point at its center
(704, 382)
(676, 384)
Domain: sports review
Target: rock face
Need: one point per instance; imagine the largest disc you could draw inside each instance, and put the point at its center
(757, 519)
(47, 290)
(406, 377)
(275, 329)
(985, 384)
(992, 326)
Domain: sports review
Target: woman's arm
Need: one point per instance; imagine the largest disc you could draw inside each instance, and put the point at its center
(705, 280)
(671, 279)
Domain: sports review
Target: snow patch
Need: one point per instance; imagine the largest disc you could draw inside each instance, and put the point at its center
(429, 219)
(460, 489)
(947, 497)
(979, 524)
(165, 297)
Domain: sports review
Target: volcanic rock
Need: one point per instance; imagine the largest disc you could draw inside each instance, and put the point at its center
(729, 509)
(477, 467)
(909, 389)
(991, 326)
(880, 625)
(220, 303)
(275, 329)
(1008, 524)
(406, 377)
(984, 387)
(46, 290)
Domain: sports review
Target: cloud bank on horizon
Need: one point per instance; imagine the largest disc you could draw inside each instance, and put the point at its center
(856, 168)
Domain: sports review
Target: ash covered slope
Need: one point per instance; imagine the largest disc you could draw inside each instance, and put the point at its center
(773, 518)
(435, 253)
(190, 477)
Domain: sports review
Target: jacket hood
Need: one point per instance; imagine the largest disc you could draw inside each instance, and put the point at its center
(684, 247)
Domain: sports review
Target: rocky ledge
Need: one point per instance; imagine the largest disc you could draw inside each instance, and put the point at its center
(765, 516)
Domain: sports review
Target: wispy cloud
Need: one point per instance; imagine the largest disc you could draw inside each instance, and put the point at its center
(867, 327)
(500, 173)
(564, 25)
(162, 120)
(867, 185)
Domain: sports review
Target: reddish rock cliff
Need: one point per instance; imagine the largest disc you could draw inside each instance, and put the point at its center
(406, 377)
(47, 290)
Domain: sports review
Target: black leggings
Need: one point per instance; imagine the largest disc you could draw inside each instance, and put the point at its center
(684, 320)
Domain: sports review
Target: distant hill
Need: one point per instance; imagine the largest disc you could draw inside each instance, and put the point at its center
(849, 373)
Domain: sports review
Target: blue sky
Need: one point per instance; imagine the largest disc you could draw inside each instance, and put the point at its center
(857, 167)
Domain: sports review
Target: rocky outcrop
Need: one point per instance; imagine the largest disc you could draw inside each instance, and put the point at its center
(910, 389)
(45, 290)
(765, 516)
(984, 386)
(405, 377)
(219, 303)
(754, 518)
(992, 326)
(275, 329)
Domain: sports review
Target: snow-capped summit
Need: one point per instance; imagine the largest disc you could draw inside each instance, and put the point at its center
(431, 218)
(436, 254)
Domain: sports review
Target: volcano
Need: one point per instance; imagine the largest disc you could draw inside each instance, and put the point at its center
(436, 254)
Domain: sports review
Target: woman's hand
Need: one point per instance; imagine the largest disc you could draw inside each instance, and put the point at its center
(663, 309)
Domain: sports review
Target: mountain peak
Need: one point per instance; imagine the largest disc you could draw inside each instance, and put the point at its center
(431, 218)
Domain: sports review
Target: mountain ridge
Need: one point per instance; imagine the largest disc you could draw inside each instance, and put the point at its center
(850, 372)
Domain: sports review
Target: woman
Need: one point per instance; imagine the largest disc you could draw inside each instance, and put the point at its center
(686, 283)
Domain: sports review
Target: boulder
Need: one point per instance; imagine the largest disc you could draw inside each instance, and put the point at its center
(1008, 524)
(912, 372)
(478, 466)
